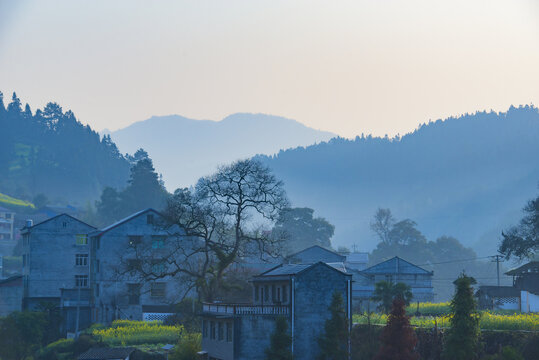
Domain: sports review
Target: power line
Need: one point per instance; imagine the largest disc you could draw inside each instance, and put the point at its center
(454, 261)
(497, 259)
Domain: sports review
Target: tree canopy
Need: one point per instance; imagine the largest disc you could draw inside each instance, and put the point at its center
(225, 217)
(144, 190)
(50, 152)
(522, 241)
(386, 292)
(300, 229)
(446, 254)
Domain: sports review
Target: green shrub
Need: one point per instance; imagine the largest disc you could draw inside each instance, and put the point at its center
(188, 346)
(507, 353)
(56, 349)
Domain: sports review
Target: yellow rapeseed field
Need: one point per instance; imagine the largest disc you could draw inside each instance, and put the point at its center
(488, 321)
(128, 332)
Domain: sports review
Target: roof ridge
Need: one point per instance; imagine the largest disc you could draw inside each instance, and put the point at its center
(57, 216)
(101, 231)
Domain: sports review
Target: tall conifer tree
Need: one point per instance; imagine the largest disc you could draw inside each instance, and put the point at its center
(463, 335)
(334, 342)
(281, 342)
(398, 338)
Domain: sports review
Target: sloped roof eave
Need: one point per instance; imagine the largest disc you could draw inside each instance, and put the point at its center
(100, 232)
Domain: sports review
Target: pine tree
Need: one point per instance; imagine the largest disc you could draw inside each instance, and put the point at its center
(463, 335)
(281, 342)
(2, 107)
(398, 338)
(15, 106)
(27, 112)
(144, 189)
(334, 342)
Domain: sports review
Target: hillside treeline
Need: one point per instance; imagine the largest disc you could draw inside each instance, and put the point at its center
(50, 152)
(467, 176)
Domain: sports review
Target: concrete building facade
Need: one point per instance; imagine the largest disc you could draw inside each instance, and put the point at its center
(118, 254)
(55, 257)
(7, 219)
(10, 295)
(395, 270)
(301, 293)
(85, 271)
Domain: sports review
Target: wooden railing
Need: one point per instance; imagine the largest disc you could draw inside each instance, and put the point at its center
(245, 309)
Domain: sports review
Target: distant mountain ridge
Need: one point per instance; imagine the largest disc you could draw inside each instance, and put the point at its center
(184, 149)
(468, 177)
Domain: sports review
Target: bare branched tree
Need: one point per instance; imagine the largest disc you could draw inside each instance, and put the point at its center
(211, 226)
(382, 224)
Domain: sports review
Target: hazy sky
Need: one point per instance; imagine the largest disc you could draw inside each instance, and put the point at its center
(372, 66)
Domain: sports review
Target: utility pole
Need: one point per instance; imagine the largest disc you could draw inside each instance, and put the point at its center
(497, 259)
(78, 314)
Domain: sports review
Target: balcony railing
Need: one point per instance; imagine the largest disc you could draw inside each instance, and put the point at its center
(245, 309)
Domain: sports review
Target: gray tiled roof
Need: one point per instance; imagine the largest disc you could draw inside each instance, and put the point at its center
(286, 269)
(395, 265)
(531, 267)
(124, 220)
(106, 353)
(338, 265)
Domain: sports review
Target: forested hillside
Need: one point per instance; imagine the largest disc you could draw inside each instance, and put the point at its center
(466, 177)
(50, 152)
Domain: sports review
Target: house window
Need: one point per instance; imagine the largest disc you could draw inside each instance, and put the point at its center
(97, 242)
(134, 265)
(273, 299)
(134, 240)
(256, 293)
(228, 332)
(158, 267)
(97, 263)
(81, 239)
(158, 241)
(133, 292)
(81, 281)
(158, 289)
(266, 291)
(149, 219)
(279, 294)
(212, 330)
(220, 331)
(64, 224)
(97, 290)
(81, 259)
(205, 328)
(285, 293)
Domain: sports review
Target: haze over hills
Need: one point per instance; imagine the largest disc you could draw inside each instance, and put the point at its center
(468, 177)
(184, 149)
